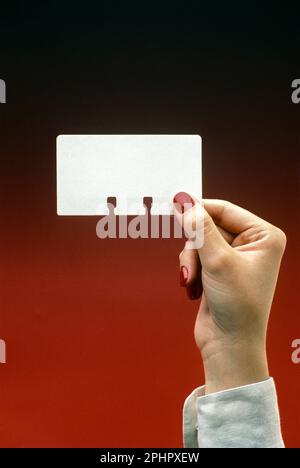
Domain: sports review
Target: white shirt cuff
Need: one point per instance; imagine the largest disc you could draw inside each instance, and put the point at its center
(244, 417)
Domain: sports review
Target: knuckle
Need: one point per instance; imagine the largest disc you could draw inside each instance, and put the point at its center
(278, 239)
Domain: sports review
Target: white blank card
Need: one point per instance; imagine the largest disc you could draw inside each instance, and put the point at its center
(92, 168)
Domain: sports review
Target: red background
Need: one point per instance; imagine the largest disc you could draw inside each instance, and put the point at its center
(99, 335)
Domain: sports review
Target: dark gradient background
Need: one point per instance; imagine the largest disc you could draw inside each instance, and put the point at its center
(99, 334)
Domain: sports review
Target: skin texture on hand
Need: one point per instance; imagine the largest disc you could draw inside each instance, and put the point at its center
(235, 273)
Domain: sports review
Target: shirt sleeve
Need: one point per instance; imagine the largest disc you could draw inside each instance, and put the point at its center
(244, 417)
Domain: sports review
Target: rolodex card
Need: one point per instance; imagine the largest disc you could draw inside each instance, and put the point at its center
(93, 168)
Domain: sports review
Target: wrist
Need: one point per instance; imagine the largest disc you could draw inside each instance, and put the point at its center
(234, 365)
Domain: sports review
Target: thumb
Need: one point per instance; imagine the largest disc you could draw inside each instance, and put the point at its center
(203, 235)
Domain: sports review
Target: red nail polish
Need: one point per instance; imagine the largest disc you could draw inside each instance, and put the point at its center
(194, 291)
(184, 274)
(190, 292)
(181, 199)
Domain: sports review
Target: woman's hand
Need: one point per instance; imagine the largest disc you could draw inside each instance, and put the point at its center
(237, 267)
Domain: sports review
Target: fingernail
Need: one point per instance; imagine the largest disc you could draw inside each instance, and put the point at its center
(184, 274)
(181, 199)
(194, 291)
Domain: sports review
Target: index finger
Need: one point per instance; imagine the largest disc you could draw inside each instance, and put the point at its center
(231, 217)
